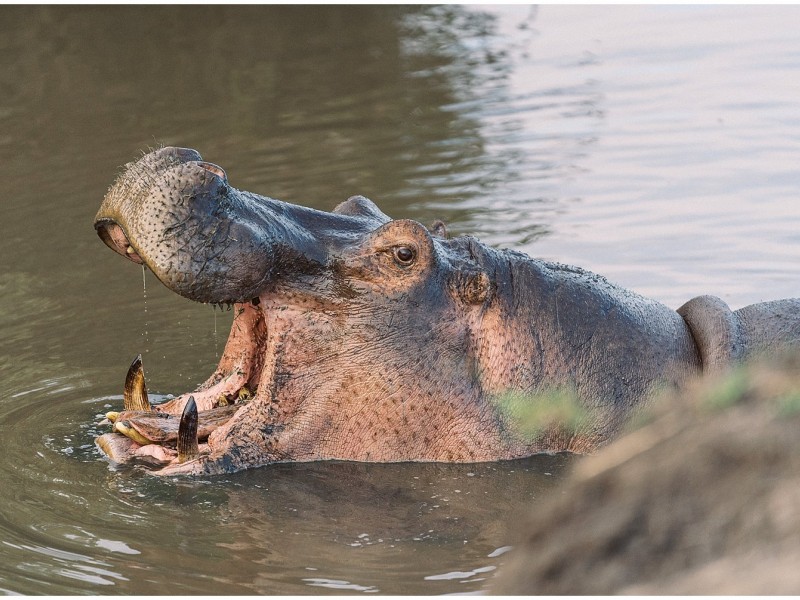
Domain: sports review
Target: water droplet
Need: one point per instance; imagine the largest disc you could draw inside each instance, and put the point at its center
(146, 324)
(216, 339)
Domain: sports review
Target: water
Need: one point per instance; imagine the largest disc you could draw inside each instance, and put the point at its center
(656, 145)
(146, 334)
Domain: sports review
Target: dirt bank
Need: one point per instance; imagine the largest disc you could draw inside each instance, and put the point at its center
(702, 496)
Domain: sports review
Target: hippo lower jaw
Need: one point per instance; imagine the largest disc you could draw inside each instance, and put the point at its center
(235, 381)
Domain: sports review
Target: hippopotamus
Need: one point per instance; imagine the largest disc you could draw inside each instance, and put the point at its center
(364, 338)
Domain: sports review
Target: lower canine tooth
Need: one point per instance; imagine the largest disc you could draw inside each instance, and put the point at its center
(187, 432)
(135, 393)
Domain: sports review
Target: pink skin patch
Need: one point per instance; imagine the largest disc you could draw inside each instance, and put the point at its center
(156, 451)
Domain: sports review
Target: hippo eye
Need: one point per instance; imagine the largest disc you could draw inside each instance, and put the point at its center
(404, 255)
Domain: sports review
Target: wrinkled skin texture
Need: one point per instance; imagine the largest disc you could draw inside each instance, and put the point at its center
(373, 339)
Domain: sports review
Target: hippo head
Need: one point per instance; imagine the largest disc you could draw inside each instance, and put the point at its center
(358, 337)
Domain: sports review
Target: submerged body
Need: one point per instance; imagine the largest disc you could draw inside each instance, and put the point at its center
(363, 338)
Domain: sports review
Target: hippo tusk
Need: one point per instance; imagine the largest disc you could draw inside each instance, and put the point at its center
(187, 433)
(111, 416)
(135, 393)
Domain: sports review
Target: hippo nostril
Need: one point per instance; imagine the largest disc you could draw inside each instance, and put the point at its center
(212, 168)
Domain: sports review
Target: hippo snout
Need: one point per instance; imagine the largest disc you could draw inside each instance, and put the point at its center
(176, 214)
(209, 242)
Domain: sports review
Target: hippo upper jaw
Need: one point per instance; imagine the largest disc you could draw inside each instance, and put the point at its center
(210, 242)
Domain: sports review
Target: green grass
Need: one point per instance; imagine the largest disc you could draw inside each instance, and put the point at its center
(789, 405)
(530, 415)
(728, 393)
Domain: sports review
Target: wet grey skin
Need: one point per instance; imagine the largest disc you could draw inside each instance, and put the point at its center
(372, 339)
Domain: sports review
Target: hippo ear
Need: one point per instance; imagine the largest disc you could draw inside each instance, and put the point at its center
(473, 287)
(359, 206)
(439, 229)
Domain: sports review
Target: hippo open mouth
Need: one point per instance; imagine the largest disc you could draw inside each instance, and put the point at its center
(157, 432)
(331, 312)
(359, 337)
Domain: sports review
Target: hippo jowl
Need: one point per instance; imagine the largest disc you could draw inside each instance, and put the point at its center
(359, 337)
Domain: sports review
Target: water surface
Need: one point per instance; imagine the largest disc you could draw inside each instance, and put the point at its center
(655, 145)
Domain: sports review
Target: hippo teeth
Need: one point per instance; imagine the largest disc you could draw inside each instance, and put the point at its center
(135, 392)
(142, 427)
(187, 433)
(133, 255)
(125, 429)
(223, 305)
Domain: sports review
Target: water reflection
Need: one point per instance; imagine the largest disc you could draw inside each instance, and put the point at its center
(350, 526)
(411, 106)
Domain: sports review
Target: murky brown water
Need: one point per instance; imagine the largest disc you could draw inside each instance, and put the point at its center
(656, 145)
